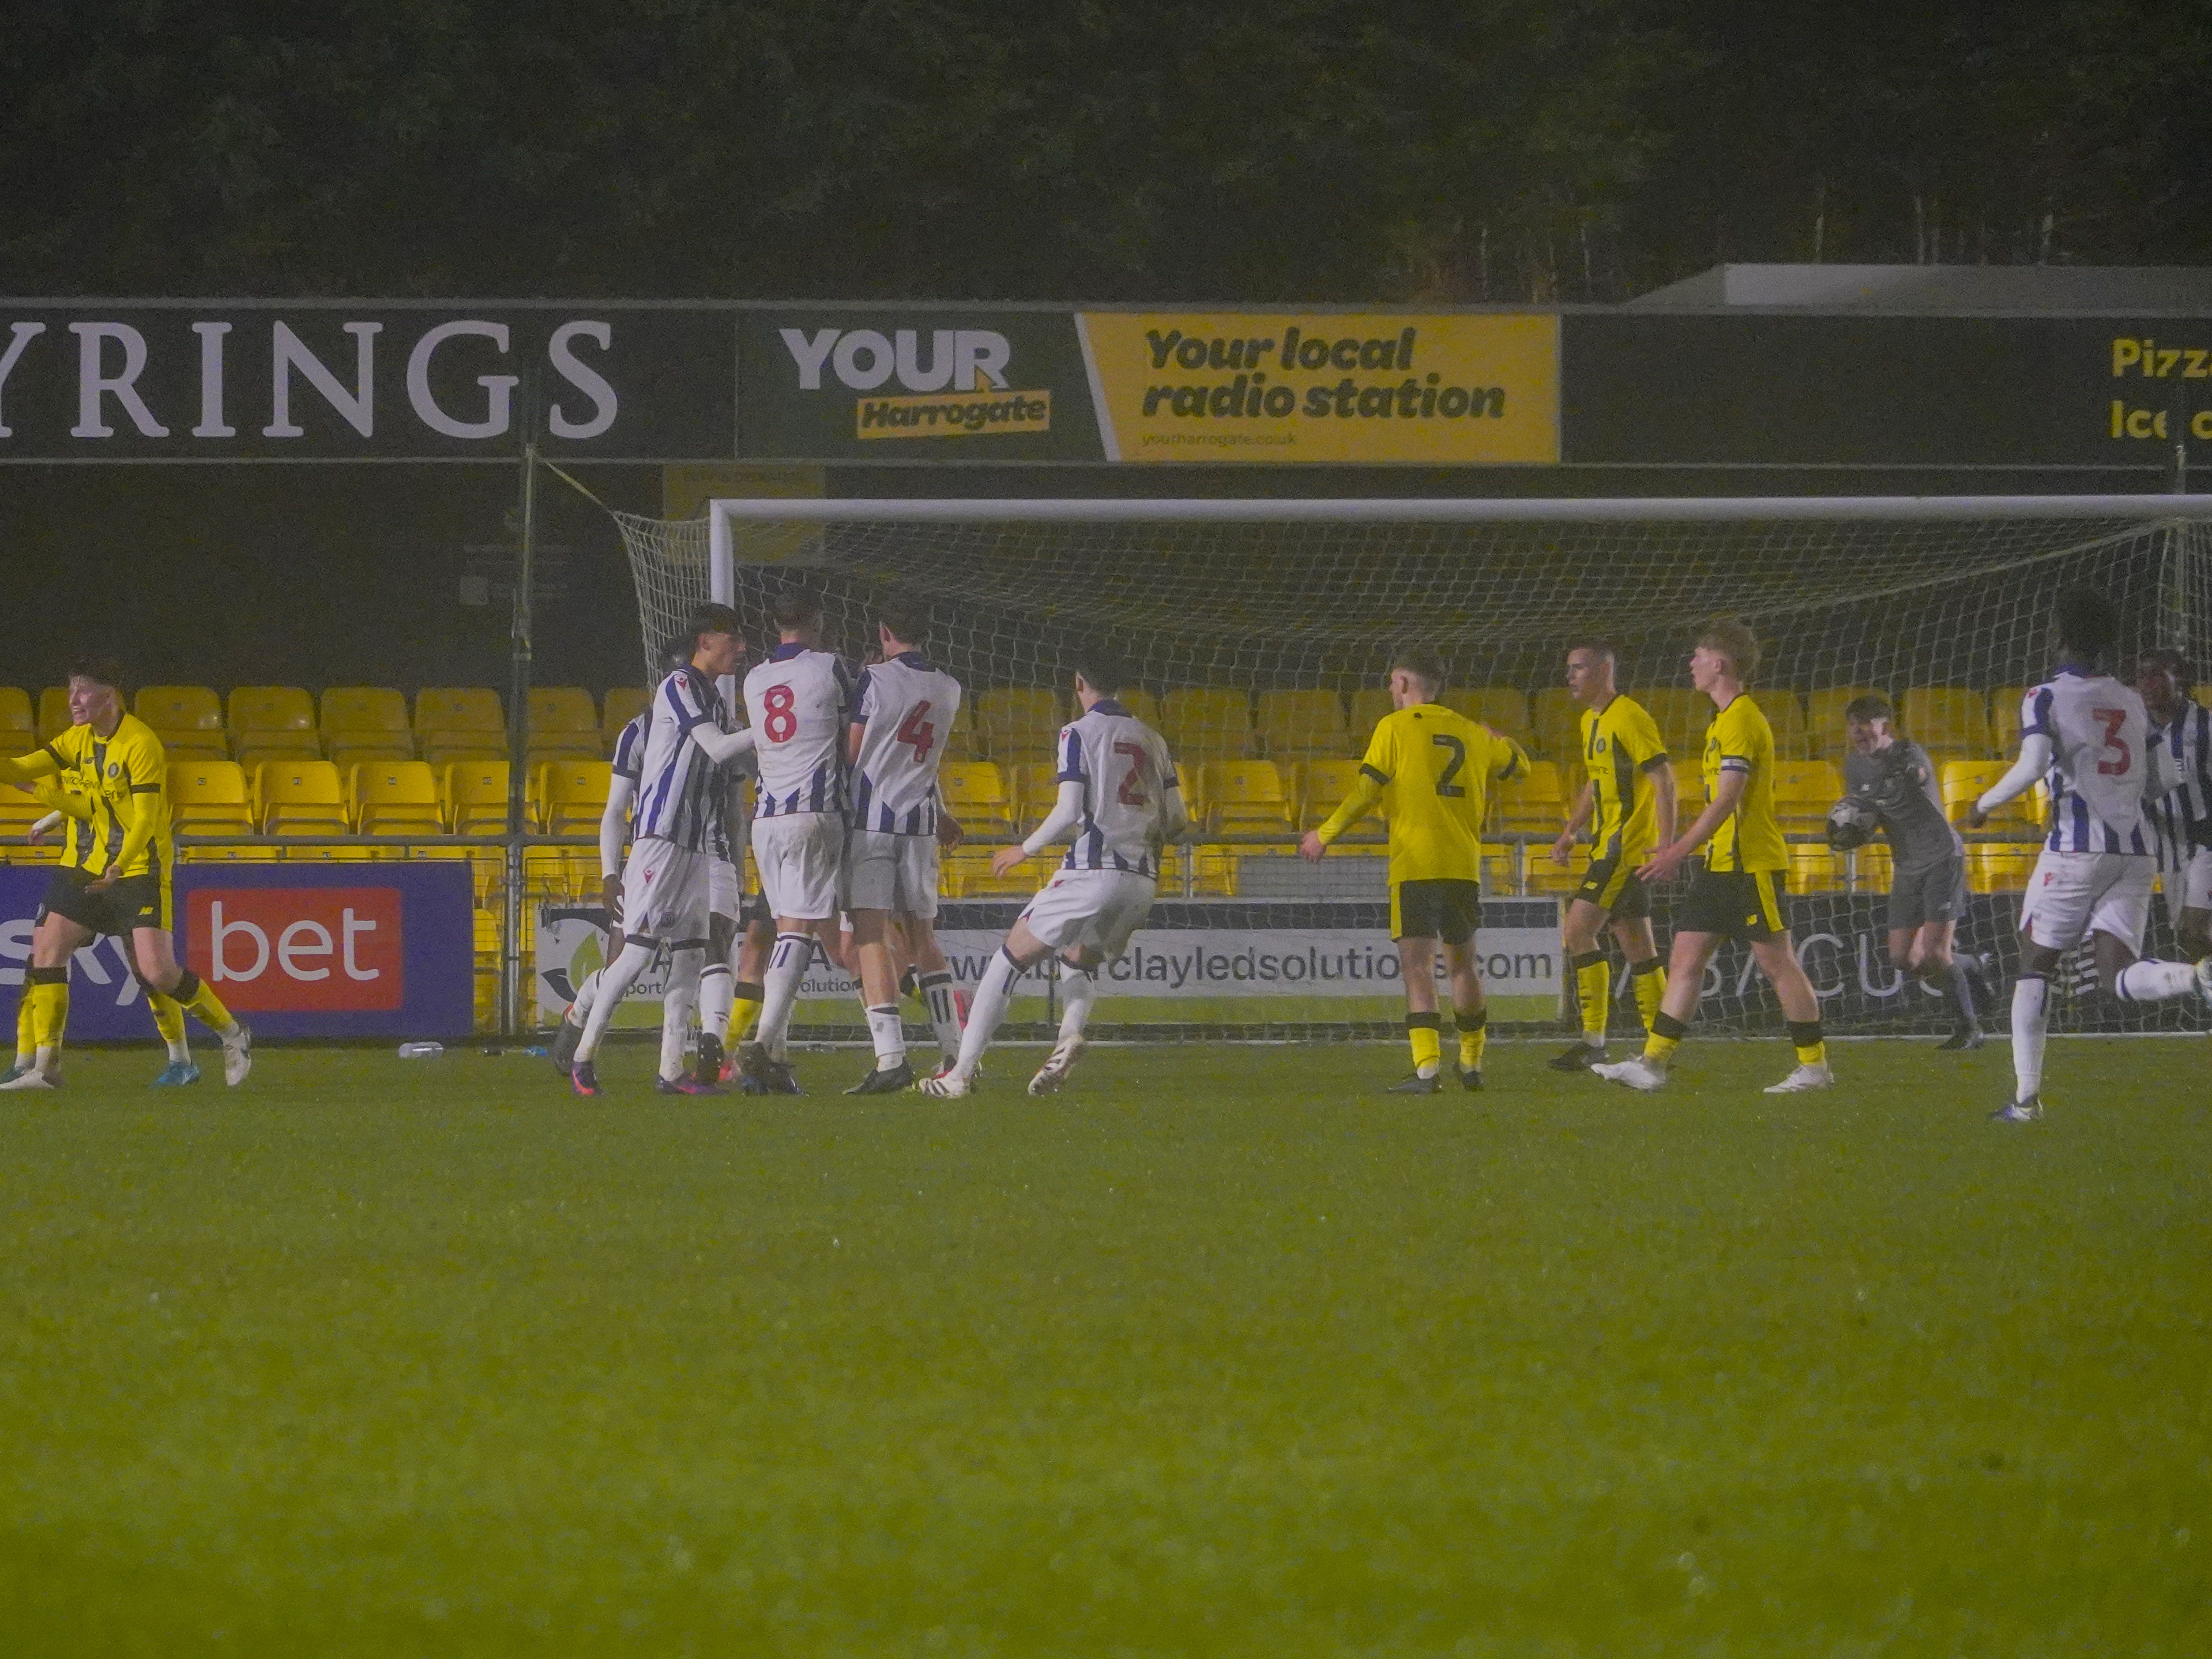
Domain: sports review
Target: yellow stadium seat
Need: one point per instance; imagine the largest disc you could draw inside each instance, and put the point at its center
(1824, 719)
(272, 717)
(1017, 722)
(574, 792)
(372, 718)
(18, 733)
(966, 873)
(1322, 784)
(1500, 708)
(184, 708)
(1295, 724)
(1141, 704)
(302, 798)
(621, 705)
(1997, 867)
(1786, 715)
(2004, 719)
(1874, 866)
(475, 797)
(1545, 877)
(457, 709)
(1949, 721)
(18, 811)
(1682, 713)
(1036, 786)
(1531, 805)
(1208, 722)
(975, 792)
(54, 713)
(567, 709)
(1555, 722)
(397, 797)
(1963, 783)
(1368, 706)
(210, 798)
(1804, 791)
(1213, 872)
(1814, 869)
(1246, 800)
(444, 749)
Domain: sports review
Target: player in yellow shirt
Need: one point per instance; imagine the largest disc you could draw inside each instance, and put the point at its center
(1738, 895)
(115, 871)
(1628, 806)
(1430, 770)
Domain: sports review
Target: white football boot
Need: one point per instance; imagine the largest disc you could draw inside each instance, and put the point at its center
(1057, 1065)
(32, 1077)
(1637, 1073)
(237, 1054)
(2204, 979)
(948, 1086)
(1804, 1078)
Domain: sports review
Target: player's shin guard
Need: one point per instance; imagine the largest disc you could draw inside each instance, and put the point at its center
(676, 1006)
(717, 995)
(1078, 990)
(944, 1012)
(615, 982)
(27, 1033)
(1667, 1034)
(2029, 995)
(1474, 1035)
(198, 999)
(1810, 1043)
(1422, 1032)
(2154, 981)
(169, 1021)
(46, 989)
(587, 994)
(993, 994)
(888, 1033)
(1648, 980)
(745, 1011)
(1594, 990)
(786, 968)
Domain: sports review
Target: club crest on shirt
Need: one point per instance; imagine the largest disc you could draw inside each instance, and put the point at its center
(115, 768)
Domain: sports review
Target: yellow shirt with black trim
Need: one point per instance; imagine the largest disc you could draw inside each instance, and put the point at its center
(1740, 740)
(122, 775)
(1433, 767)
(1619, 742)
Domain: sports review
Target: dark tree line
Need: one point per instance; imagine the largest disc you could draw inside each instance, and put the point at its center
(1315, 149)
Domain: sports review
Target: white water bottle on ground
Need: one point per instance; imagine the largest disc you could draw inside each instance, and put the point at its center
(421, 1051)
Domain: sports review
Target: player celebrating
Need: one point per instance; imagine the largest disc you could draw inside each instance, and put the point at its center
(801, 701)
(665, 891)
(1738, 895)
(1430, 770)
(1120, 798)
(115, 871)
(1892, 778)
(901, 707)
(2183, 728)
(1629, 805)
(2089, 735)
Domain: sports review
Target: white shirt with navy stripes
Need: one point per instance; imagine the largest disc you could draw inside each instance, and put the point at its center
(1123, 767)
(799, 701)
(2100, 763)
(680, 796)
(2184, 813)
(905, 710)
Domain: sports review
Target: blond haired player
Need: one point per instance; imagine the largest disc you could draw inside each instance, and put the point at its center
(1738, 895)
(1430, 769)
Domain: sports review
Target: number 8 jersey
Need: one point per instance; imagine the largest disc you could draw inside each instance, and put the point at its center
(905, 711)
(798, 702)
(2099, 765)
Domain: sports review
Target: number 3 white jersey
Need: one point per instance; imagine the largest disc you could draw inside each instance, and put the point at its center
(906, 708)
(1123, 767)
(799, 701)
(2100, 763)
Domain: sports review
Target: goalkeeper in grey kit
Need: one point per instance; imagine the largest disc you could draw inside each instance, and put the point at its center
(1889, 783)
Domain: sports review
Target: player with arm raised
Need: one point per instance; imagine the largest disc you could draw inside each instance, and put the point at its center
(1429, 768)
(2090, 736)
(800, 701)
(665, 884)
(904, 709)
(1893, 782)
(1629, 803)
(1120, 801)
(2183, 727)
(1738, 895)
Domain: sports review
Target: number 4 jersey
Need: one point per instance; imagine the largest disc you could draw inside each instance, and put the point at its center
(1123, 767)
(905, 713)
(2099, 764)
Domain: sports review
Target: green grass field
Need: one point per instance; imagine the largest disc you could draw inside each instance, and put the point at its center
(1221, 1352)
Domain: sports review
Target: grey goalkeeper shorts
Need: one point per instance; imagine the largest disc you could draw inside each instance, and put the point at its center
(1936, 894)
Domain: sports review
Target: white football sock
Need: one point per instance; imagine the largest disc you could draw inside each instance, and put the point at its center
(676, 1005)
(890, 1036)
(579, 1009)
(2028, 994)
(2154, 981)
(718, 994)
(786, 968)
(985, 1012)
(944, 1013)
(614, 981)
(1078, 989)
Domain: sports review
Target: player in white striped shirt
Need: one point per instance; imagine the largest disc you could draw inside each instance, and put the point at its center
(2183, 728)
(1119, 803)
(2088, 735)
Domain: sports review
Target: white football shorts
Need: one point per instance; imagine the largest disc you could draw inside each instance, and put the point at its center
(2072, 895)
(896, 873)
(1091, 907)
(802, 861)
(2194, 884)
(665, 890)
(725, 888)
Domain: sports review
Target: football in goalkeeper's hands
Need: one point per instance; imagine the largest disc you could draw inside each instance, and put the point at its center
(1850, 824)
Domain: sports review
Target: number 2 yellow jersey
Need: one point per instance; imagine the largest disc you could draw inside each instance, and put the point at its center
(1740, 740)
(113, 771)
(1435, 768)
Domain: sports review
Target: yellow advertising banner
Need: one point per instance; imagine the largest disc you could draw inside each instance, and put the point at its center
(1282, 386)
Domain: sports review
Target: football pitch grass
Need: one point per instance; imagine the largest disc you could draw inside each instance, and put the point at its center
(1220, 1352)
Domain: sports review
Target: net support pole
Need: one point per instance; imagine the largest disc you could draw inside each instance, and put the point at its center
(722, 589)
(511, 976)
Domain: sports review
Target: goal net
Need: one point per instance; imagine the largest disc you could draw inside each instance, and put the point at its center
(1257, 634)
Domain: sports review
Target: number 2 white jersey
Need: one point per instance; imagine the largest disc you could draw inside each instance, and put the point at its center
(906, 708)
(1123, 767)
(678, 792)
(2100, 763)
(798, 702)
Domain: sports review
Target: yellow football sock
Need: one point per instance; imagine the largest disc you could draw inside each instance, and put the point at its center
(169, 1021)
(1649, 982)
(1667, 1034)
(197, 997)
(1473, 1037)
(27, 1033)
(1593, 986)
(744, 1014)
(49, 1007)
(1809, 1041)
(1428, 1046)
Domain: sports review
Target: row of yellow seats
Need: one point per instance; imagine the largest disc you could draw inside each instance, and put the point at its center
(385, 798)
